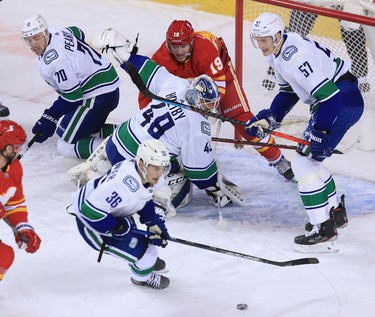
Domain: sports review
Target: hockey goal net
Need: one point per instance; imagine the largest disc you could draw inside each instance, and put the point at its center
(346, 27)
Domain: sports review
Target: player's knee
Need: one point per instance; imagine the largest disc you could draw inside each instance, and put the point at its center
(65, 149)
(6, 259)
(303, 167)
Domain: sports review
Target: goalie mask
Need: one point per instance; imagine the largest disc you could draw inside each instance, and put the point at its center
(267, 24)
(153, 152)
(203, 93)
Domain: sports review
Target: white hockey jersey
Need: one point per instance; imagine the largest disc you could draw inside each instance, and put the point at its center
(306, 67)
(119, 193)
(74, 69)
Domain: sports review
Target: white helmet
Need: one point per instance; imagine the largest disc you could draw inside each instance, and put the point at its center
(153, 152)
(267, 24)
(34, 25)
(203, 93)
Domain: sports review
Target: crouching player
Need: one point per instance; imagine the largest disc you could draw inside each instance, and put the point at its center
(105, 206)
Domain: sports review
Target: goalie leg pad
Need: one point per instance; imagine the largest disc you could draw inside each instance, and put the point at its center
(182, 189)
(163, 197)
(96, 165)
(230, 189)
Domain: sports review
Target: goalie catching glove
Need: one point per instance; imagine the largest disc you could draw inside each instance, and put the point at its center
(120, 47)
(260, 124)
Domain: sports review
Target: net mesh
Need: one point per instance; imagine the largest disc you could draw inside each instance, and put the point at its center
(345, 39)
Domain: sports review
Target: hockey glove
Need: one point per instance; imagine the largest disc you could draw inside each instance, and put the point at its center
(45, 127)
(258, 125)
(26, 238)
(318, 145)
(160, 233)
(123, 229)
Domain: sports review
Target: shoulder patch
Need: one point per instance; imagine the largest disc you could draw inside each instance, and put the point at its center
(206, 128)
(288, 52)
(132, 183)
(50, 56)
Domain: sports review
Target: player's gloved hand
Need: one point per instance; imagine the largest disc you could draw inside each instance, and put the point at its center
(26, 238)
(258, 125)
(318, 145)
(123, 229)
(45, 127)
(160, 233)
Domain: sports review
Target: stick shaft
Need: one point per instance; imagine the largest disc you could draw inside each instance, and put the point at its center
(236, 254)
(137, 80)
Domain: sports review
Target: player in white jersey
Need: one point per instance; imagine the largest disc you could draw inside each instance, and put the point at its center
(86, 82)
(307, 71)
(105, 206)
(186, 134)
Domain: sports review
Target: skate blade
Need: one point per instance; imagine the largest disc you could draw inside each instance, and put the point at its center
(323, 247)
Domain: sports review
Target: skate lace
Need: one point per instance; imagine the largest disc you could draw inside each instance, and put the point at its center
(154, 280)
(314, 230)
(282, 166)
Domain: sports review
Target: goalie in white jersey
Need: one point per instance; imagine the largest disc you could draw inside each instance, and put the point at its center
(105, 206)
(308, 71)
(86, 82)
(185, 133)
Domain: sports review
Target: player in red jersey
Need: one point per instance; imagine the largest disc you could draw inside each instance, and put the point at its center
(188, 54)
(13, 209)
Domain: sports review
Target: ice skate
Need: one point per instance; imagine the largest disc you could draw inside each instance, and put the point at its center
(155, 281)
(321, 238)
(284, 168)
(160, 266)
(338, 215)
(4, 112)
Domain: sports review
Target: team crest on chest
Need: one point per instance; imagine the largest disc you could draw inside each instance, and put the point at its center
(131, 182)
(50, 56)
(288, 52)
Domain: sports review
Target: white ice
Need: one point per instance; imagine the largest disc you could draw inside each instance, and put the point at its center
(63, 279)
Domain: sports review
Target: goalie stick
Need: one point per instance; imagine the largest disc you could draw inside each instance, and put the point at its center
(281, 146)
(301, 261)
(137, 80)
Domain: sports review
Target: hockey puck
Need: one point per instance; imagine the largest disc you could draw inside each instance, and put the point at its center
(241, 306)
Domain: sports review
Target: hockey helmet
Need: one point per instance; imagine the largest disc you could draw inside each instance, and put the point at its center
(267, 24)
(180, 32)
(203, 93)
(11, 133)
(34, 25)
(153, 152)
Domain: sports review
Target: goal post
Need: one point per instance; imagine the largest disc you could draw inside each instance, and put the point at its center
(346, 27)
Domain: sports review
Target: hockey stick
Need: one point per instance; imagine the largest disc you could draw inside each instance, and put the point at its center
(32, 141)
(137, 80)
(301, 261)
(281, 146)
(16, 232)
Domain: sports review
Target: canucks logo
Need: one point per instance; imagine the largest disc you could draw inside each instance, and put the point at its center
(50, 56)
(132, 183)
(289, 52)
(206, 128)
